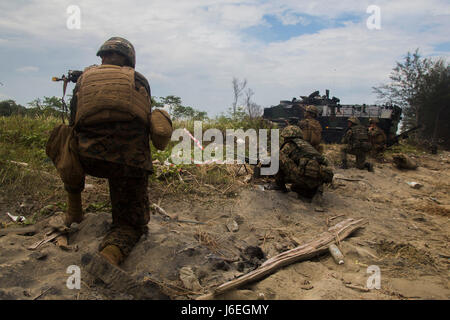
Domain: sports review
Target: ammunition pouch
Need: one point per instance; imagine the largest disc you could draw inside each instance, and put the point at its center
(61, 148)
(326, 174)
(312, 169)
(160, 129)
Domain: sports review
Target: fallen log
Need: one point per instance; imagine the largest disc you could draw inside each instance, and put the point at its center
(306, 251)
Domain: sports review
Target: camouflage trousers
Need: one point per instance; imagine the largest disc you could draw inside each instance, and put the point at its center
(129, 201)
(359, 154)
(303, 186)
(377, 152)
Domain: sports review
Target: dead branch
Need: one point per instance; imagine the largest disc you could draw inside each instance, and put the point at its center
(300, 253)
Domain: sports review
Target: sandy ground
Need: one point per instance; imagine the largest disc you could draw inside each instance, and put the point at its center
(406, 237)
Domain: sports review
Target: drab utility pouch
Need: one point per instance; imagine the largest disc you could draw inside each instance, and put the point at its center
(326, 174)
(366, 146)
(61, 148)
(312, 169)
(161, 128)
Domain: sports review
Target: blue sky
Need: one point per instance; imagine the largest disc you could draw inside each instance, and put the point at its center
(194, 48)
(274, 30)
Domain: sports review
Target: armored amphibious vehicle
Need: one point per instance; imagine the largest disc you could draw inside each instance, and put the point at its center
(333, 115)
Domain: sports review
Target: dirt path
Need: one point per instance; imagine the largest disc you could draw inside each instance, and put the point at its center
(406, 238)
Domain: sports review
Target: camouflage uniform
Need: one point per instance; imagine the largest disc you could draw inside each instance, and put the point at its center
(377, 138)
(356, 141)
(301, 165)
(311, 128)
(129, 201)
(119, 152)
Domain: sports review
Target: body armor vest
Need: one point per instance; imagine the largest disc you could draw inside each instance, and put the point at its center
(360, 138)
(108, 93)
(312, 131)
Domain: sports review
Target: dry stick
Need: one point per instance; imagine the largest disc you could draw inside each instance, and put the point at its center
(161, 211)
(23, 230)
(332, 218)
(349, 179)
(223, 192)
(193, 176)
(49, 238)
(164, 193)
(357, 288)
(42, 293)
(303, 252)
(23, 164)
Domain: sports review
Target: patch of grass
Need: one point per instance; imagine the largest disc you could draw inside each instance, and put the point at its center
(405, 147)
(24, 167)
(26, 170)
(95, 207)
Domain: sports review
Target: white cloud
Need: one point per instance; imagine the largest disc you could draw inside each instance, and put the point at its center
(194, 48)
(26, 69)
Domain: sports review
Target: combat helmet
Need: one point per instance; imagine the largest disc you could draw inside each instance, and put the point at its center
(373, 120)
(121, 46)
(291, 132)
(313, 110)
(354, 120)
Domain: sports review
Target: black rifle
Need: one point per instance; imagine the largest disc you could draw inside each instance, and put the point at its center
(72, 76)
(402, 135)
(258, 165)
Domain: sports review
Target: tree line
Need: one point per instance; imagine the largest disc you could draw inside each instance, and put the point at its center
(421, 87)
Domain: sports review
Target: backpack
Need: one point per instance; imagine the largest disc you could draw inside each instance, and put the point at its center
(360, 138)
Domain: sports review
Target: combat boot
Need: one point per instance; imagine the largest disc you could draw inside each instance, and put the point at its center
(369, 166)
(278, 187)
(74, 209)
(318, 197)
(112, 254)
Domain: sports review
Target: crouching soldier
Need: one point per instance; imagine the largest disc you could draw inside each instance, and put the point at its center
(112, 121)
(301, 165)
(356, 142)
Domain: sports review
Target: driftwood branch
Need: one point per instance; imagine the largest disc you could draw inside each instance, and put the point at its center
(300, 253)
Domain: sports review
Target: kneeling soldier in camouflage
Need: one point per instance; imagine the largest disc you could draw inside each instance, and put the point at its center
(301, 165)
(111, 116)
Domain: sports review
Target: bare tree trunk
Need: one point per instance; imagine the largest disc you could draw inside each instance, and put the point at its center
(436, 126)
(237, 90)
